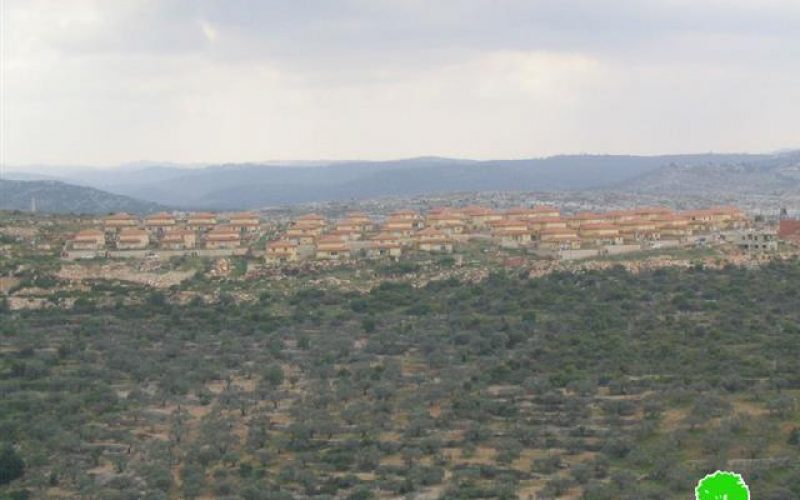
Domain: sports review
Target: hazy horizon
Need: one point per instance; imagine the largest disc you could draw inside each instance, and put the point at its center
(303, 163)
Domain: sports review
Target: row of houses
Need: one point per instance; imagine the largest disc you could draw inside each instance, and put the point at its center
(436, 230)
(357, 234)
(540, 226)
(594, 229)
(167, 231)
(163, 222)
(135, 238)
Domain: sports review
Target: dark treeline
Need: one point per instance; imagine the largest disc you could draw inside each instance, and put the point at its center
(606, 384)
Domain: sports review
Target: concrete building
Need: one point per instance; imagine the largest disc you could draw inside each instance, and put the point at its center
(304, 233)
(546, 222)
(281, 251)
(223, 237)
(244, 222)
(517, 213)
(132, 239)
(452, 227)
(159, 223)
(508, 224)
(405, 214)
(617, 216)
(478, 217)
(179, 239)
(348, 225)
(544, 211)
(433, 240)
(119, 221)
(638, 229)
(409, 216)
(716, 218)
(584, 218)
(512, 238)
(379, 249)
(673, 226)
(651, 213)
(345, 234)
(88, 239)
(449, 221)
(756, 241)
(402, 228)
(511, 233)
(332, 248)
(311, 221)
(728, 217)
(387, 238)
(558, 239)
(358, 221)
(436, 246)
(204, 221)
(600, 234)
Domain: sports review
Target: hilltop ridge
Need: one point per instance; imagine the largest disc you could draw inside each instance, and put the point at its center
(60, 197)
(256, 185)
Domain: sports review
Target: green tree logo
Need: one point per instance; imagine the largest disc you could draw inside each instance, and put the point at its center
(722, 485)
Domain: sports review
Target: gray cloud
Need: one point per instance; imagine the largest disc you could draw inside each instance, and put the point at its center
(307, 31)
(381, 78)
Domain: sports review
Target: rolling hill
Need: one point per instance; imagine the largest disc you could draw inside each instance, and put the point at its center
(773, 175)
(234, 186)
(257, 185)
(60, 197)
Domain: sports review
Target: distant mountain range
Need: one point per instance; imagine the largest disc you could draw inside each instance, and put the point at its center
(60, 197)
(237, 186)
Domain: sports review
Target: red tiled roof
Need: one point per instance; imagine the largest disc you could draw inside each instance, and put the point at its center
(651, 210)
(133, 235)
(587, 216)
(558, 234)
(311, 216)
(88, 234)
(174, 236)
(223, 233)
(281, 244)
(222, 237)
(539, 220)
(380, 245)
(508, 223)
(789, 229)
(160, 215)
(517, 211)
(384, 236)
(475, 210)
(325, 238)
(429, 231)
(333, 247)
(598, 227)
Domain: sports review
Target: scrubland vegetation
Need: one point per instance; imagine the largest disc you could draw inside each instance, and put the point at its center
(585, 385)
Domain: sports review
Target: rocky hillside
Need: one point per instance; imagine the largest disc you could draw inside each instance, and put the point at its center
(59, 197)
(758, 175)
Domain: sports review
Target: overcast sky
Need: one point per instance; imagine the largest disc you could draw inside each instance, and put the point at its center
(104, 82)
